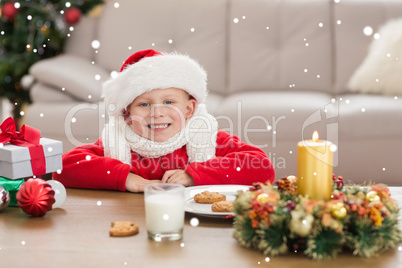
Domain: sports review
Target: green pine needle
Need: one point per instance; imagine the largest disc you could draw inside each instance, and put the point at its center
(244, 232)
(324, 244)
(276, 235)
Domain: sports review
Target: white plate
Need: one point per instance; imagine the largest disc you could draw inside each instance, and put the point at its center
(205, 209)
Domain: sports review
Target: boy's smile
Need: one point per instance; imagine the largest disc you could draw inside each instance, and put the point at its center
(158, 127)
(161, 113)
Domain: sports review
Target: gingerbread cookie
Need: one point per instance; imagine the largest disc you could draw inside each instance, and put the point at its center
(123, 228)
(222, 206)
(207, 197)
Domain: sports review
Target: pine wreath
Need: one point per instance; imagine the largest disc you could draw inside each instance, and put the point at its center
(276, 220)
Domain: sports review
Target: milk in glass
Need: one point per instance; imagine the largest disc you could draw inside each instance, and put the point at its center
(164, 213)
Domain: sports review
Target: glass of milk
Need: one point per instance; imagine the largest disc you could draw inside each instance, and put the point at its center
(164, 211)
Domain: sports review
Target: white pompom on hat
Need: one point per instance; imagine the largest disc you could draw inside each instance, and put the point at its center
(149, 69)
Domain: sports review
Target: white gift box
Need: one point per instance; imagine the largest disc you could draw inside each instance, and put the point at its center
(15, 161)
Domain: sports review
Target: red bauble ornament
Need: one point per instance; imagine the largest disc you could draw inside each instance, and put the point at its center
(9, 11)
(35, 197)
(72, 15)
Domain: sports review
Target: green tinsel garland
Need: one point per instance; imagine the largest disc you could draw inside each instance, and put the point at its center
(276, 221)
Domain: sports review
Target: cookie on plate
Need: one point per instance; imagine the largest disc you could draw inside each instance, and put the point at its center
(222, 206)
(123, 228)
(207, 197)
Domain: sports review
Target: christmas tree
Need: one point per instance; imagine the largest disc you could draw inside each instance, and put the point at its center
(31, 30)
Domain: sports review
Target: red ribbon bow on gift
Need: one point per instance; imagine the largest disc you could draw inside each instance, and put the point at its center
(27, 137)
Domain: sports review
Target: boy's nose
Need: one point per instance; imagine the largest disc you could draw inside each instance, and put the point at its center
(157, 110)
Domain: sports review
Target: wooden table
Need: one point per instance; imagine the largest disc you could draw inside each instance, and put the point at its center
(76, 235)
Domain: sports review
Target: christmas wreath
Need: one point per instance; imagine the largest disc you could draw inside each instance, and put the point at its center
(276, 220)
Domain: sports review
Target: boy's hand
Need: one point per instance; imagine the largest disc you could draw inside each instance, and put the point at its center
(178, 176)
(136, 184)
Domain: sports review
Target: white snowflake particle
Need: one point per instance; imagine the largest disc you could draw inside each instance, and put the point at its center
(194, 222)
(368, 30)
(95, 44)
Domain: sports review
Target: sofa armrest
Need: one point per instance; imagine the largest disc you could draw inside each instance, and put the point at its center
(78, 76)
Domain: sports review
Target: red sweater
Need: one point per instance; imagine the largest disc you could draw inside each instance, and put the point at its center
(235, 163)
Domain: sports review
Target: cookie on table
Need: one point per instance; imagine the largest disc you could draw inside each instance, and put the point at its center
(222, 206)
(123, 228)
(207, 197)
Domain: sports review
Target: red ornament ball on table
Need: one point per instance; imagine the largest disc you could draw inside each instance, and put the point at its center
(72, 15)
(35, 197)
(9, 11)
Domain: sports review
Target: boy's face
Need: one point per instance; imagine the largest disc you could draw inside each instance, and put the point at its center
(161, 113)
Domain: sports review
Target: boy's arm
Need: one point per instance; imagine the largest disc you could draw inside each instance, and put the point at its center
(235, 163)
(87, 167)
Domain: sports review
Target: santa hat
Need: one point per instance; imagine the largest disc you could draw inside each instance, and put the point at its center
(149, 69)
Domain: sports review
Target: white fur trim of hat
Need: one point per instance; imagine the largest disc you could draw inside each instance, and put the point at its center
(147, 70)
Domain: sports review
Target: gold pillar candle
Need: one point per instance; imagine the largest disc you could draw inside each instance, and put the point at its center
(314, 168)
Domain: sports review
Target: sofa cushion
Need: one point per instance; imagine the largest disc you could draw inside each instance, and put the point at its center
(370, 117)
(42, 93)
(213, 103)
(262, 118)
(280, 45)
(381, 70)
(351, 44)
(78, 123)
(59, 71)
(80, 41)
(196, 28)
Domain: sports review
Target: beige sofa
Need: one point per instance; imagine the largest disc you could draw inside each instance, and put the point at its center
(278, 70)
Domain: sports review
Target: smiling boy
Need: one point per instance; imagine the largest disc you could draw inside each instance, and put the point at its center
(159, 130)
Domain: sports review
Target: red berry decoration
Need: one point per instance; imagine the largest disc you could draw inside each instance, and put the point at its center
(9, 11)
(35, 197)
(72, 15)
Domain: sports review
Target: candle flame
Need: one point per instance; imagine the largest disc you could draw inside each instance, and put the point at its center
(315, 136)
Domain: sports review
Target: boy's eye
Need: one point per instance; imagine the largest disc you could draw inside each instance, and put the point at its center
(168, 102)
(144, 104)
